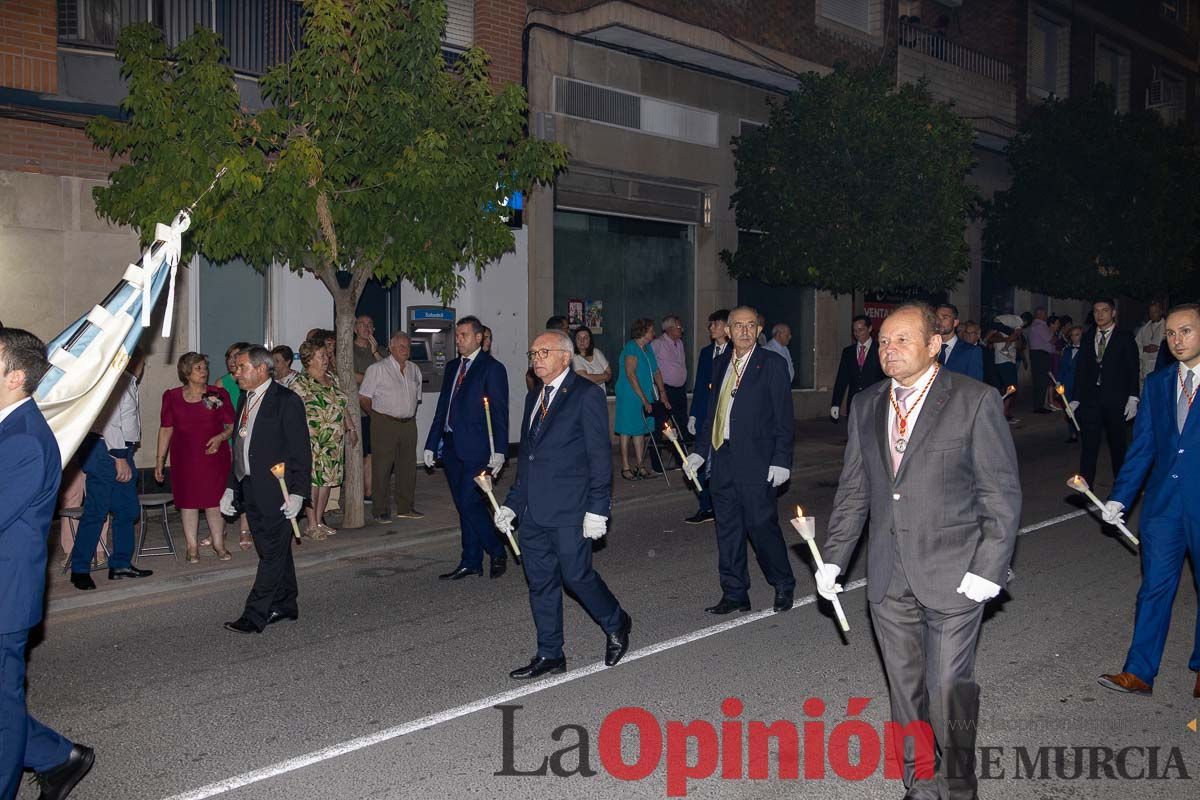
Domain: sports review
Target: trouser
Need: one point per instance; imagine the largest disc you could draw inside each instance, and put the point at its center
(677, 396)
(365, 431)
(104, 495)
(746, 509)
(274, 586)
(1094, 421)
(474, 515)
(1166, 541)
(558, 557)
(393, 444)
(929, 658)
(25, 743)
(1039, 363)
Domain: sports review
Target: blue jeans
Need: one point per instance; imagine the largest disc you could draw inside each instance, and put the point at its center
(104, 496)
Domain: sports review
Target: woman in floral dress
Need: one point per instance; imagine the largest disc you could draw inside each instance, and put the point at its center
(325, 406)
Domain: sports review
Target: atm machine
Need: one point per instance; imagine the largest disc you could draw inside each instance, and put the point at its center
(432, 332)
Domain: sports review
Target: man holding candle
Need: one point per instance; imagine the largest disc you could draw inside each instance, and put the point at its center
(747, 437)
(930, 460)
(270, 427)
(460, 434)
(562, 497)
(1166, 451)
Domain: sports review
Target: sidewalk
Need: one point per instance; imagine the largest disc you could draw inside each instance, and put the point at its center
(818, 449)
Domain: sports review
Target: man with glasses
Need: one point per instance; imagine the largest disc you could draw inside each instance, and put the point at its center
(460, 434)
(561, 499)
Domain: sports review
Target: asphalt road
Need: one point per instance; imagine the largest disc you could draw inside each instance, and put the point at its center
(387, 687)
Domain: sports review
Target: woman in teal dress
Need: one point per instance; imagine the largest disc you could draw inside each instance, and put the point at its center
(639, 383)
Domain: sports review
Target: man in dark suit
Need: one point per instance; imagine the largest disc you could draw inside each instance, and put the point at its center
(930, 460)
(957, 355)
(859, 367)
(1166, 450)
(718, 329)
(747, 440)
(31, 468)
(271, 428)
(1105, 393)
(460, 434)
(562, 498)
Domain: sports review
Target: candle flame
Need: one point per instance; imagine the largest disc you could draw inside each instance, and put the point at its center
(1060, 389)
(278, 470)
(1077, 482)
(799, 512)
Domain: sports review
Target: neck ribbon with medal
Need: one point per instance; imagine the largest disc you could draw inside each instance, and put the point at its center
(244, 426)
(739, 373)
(901, 417)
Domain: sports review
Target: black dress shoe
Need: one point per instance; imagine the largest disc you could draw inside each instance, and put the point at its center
(279, 616)
(727, 606)
(128, 572)
(82, 580)
(499, 565)
(700, 517)
(538, 667)
(783, 602)
(241, 625)
(57, 783)
(618, 642)
(460, 573)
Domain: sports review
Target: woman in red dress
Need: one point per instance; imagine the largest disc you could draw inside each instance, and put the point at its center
(195, 426)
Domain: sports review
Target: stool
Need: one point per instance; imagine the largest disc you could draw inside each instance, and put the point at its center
(152, 501)
(73, 515)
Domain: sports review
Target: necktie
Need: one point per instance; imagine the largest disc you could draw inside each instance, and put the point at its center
(942, 355)
(1183, 405)
(462, 373)
(723, 403)
(862, 355)
(239, 441)
(1100, 347)
(540, 413)
(902, 395)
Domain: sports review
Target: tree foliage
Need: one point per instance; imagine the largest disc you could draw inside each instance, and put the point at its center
(856, 185)
(1100, 204)
(373, 159)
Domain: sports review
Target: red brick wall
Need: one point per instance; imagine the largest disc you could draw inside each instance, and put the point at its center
(51, 149)
(29, 45)
(498, 27)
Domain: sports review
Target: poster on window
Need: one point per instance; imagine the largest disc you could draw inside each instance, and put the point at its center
(574, 314)
(594, 315)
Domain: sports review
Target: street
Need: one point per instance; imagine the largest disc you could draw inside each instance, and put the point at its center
(387, 686)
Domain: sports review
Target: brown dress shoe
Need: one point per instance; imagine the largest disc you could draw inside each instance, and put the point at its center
(1125, 682)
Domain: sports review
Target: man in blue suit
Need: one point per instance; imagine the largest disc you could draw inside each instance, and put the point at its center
(718, 329)
(957, 355)
(1166, 447)
(31, 470)
(460, 434)
(562, 497)
(747, 440)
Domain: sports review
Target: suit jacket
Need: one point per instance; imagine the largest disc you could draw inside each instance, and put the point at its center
(1067, 366)
(852, 379)
(1170, 458)
(954, 505)
(760, 419)
(486, 377)
(31, 468)
(703, 385)
(1119, 373)
(966, 359)
(280, 434)
(568, 470)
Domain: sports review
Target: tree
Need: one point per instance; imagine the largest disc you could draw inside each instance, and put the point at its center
(1101, 203)
(855, 185)
(374, 159)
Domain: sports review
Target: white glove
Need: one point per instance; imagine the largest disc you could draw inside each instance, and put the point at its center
(594, 525)
(495, 463)
(1131, 408)
(834, 412)
(778, 476)
(693, 464)
(227, 504)
(826, 576)
(504, 520)
(1074, 404)
(692, 425)
(978, 589)
(1111, 513)
(427, 457)
(291, 509)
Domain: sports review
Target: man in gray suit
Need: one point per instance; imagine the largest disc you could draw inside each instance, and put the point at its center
(930, 458)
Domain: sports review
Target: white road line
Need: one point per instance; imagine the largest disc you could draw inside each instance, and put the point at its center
(362, 742)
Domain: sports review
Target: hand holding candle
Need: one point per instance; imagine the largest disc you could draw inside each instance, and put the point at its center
(1077, 483)
(484, 481)
(1061, 391)
(673, 435)
(278, 471)
(807, 528)
(1011, 390)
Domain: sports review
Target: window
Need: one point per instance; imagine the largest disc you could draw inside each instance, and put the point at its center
(1168, 96)
(460, 24)
(1175, 11)
(1048, 56)
(1112, 68)
(857, 14)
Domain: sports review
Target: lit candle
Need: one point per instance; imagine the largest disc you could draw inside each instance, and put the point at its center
(278, 471)
(1062, 393)
(487, 412)
(1077, 483)
(673, 435)
(484, 481)
(807, 528)
(1009, 391)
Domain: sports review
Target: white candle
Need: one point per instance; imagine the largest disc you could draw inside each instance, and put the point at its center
(807, 528)
(484, 481)
(278, 471)
(1077, 483)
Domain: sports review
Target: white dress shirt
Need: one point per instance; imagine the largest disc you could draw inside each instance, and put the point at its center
(554, 387)
(393, 391)
(740, 364)
(776, 347)
(949, 345)
(253, 415)
(120, 422)
(914, 409)
(4, 412)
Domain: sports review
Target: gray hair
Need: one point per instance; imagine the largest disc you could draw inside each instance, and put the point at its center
(259, 356)
(564, 341)
(400, 335)
(780, 327)
(670, 321)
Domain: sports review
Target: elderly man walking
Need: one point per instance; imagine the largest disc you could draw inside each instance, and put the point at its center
(672, 363)
(390, 394)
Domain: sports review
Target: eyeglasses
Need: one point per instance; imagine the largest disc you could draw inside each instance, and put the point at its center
(746, 327)
(544, 353)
